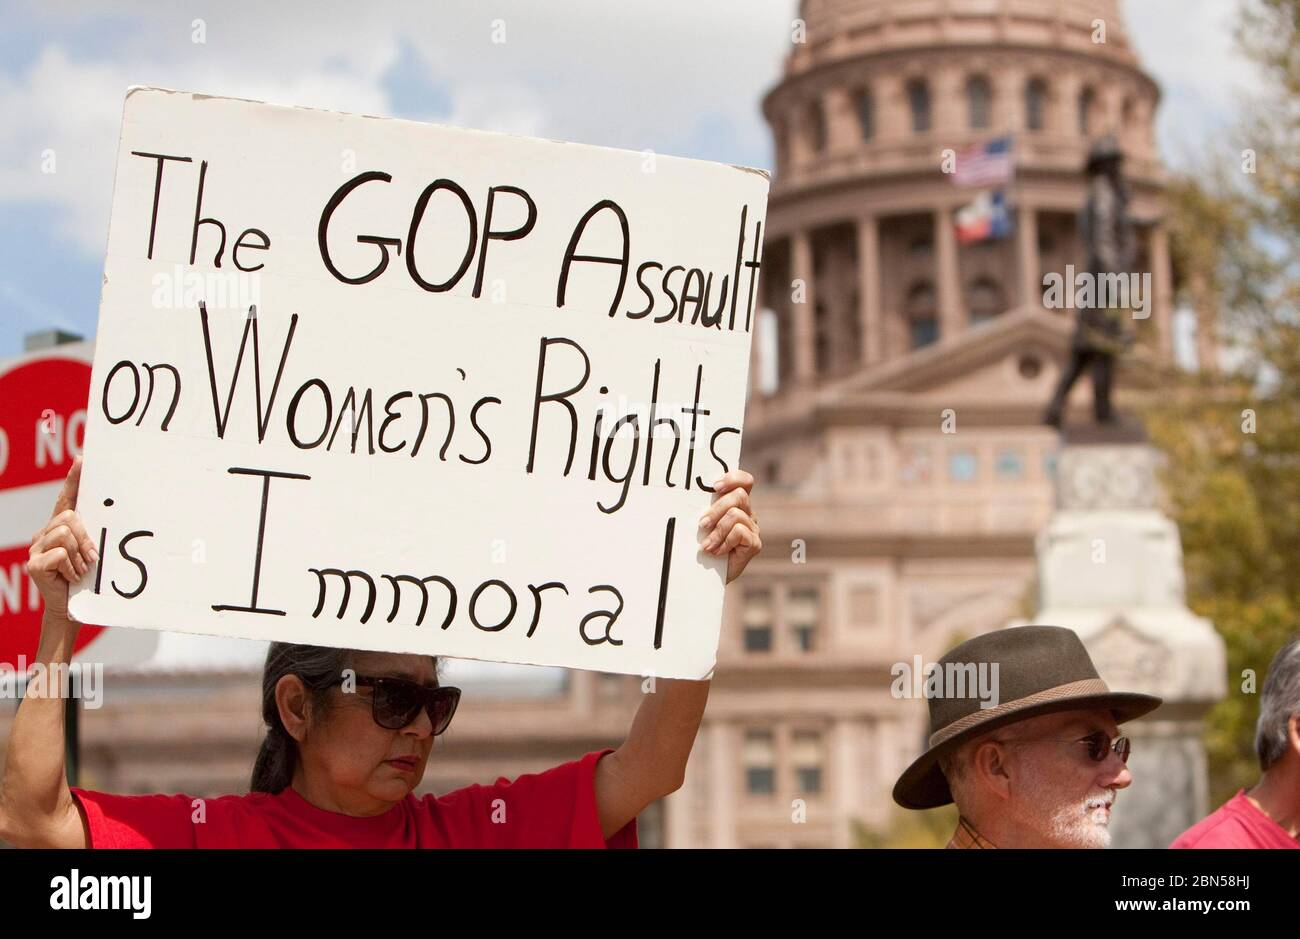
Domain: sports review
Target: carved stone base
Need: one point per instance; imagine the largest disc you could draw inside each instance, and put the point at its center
(1177, 655)
(1168, 794)
(1110, 568)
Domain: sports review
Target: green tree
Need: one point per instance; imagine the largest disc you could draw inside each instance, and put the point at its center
(1233, 440)
(909, 829)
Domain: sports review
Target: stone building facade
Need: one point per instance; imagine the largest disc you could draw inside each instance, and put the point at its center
(904, 470)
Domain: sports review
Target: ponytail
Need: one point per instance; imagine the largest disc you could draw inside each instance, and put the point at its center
(273, 768)
(318, 667)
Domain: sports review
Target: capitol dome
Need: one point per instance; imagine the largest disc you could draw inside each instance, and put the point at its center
(874, 95)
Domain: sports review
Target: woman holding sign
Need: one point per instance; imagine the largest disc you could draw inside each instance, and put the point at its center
(349, 734)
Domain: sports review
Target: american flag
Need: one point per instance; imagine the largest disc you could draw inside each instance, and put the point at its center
(987, 164)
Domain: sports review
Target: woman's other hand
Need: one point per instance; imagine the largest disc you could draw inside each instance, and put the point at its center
(729, 527)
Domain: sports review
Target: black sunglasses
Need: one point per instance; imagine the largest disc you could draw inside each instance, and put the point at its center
(1100, 745)
(396, 702)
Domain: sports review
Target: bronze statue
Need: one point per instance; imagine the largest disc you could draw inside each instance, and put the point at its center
(1100, 334)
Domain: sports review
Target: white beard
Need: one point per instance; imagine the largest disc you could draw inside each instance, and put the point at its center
(1065, 821)
(1083, 823)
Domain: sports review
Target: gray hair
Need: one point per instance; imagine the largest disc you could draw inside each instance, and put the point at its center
(1278, 702)
(956, 766)
(318, 667)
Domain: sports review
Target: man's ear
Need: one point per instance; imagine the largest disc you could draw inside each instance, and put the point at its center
(292, 701)
(990, 769)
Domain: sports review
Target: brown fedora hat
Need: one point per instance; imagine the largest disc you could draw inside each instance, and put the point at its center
(1040, 670)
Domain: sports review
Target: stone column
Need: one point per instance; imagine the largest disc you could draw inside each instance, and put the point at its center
(1149, 144)
(797, 146)
(948, 101)
(1162, 291)
(837, 110)
(1009, 101)
(1027, 245)
(805, 352)
(756, 350)
(784, 775)
(1110, 116)
(1066, 90)
(679, 822)
(873, 339)
(723, 770)
(952, 315)
(843, 781)
(893, 120)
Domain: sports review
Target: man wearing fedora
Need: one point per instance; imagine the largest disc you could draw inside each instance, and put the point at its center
(1039, 768)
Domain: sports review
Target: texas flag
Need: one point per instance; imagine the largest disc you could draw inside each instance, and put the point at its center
(984, 219)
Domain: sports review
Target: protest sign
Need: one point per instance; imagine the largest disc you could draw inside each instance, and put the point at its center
(372, 383)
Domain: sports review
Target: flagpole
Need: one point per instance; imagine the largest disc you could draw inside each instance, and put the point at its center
(1017, 194)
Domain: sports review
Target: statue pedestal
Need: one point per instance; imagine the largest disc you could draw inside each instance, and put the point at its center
(1110, 568)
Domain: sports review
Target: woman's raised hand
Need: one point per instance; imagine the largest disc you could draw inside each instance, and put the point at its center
(62, 551)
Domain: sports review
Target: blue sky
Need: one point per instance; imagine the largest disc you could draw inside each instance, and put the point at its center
(675, 76)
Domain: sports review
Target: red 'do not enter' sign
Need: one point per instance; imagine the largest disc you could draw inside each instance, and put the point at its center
(42, 426)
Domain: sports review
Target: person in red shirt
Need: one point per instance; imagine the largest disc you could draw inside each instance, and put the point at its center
(349, 735)
(1268, 816)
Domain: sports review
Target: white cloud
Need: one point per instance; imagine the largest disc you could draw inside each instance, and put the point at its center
(70, 113)
(1189, 47)
(509, 109)
(629, 75)
(74, 109)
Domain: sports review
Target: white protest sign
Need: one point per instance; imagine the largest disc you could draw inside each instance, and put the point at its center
(378, 384)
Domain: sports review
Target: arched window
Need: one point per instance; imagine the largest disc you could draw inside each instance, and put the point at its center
(979, 102)
(865, 106)
(985, 300)
(1036, 104)
(918, 100)
(816, 127)
(1087, 99)
(922, 315)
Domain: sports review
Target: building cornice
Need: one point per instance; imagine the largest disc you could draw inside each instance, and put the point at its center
(851, 71)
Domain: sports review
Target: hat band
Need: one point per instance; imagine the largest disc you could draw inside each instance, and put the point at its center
(1075, 689)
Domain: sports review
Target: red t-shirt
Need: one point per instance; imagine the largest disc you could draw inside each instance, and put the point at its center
(554, 809)
(1237, 824)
